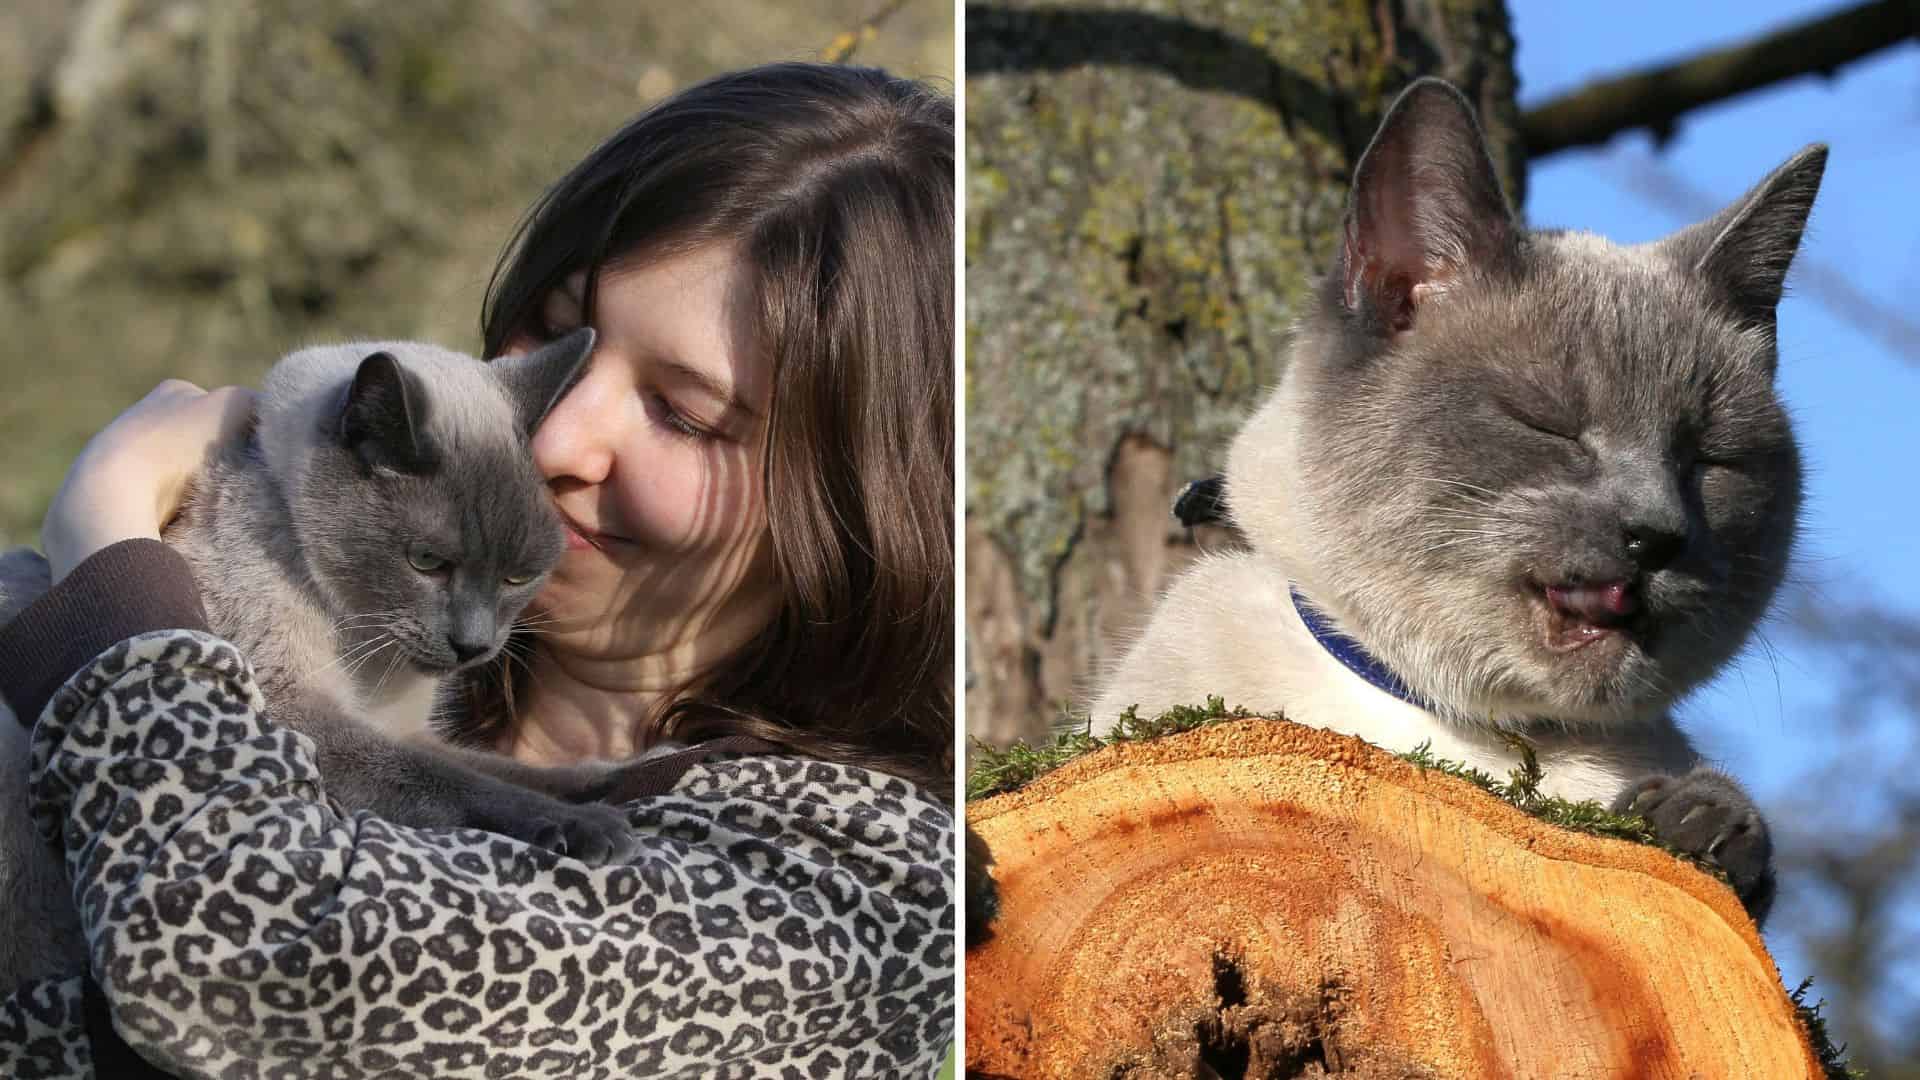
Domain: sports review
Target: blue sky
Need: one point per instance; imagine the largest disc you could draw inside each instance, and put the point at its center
(1855, 399)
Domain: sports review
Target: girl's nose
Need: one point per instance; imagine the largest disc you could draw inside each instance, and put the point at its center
(577, 438)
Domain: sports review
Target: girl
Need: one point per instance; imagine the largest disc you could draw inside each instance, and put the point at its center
(756, 476)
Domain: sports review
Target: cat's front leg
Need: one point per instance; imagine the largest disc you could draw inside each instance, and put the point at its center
(1707, 814)
(427, 784)
(594, 833)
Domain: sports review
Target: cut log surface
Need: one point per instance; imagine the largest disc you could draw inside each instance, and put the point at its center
(1256, 898)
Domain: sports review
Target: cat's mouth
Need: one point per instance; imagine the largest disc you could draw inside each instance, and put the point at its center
(1579, 614)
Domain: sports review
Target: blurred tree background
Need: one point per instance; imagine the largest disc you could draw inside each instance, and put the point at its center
(1150, 186)
(191, 188)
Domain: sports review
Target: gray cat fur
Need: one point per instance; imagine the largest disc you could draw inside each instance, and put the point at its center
(299, 545)
(1472, 411)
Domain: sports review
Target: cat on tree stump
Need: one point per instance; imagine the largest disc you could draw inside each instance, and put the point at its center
(1515, 493)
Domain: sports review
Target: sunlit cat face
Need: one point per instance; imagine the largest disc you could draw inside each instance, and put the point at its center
(1586, 478)
(422, 515)
(1540, 475)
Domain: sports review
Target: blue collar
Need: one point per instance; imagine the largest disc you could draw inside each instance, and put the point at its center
(1350, 652)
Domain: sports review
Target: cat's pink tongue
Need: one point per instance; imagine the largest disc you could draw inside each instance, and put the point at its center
(1607, 602)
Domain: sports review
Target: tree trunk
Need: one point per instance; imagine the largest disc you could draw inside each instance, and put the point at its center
(1261, 899)
(1148, 198)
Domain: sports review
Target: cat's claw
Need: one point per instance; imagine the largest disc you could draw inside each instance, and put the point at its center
(595, 835)
(1707, 815)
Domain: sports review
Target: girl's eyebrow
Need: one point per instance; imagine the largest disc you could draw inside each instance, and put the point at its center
(718, 389)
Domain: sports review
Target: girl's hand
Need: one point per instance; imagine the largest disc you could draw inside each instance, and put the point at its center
(129, 480)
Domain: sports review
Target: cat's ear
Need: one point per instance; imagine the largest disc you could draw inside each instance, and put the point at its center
(1743, 252)
(384, 419)
(1426, 208)
(537, 380)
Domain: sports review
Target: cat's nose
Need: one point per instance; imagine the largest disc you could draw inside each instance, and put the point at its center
(1652, 547)
(467, 650)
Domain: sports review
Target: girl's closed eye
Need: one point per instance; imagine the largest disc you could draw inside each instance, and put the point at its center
(681, 423)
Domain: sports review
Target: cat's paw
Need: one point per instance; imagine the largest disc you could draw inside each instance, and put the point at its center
(1709, 816)
(592, 833)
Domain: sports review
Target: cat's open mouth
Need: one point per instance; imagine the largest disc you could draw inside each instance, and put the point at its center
(1584, 613)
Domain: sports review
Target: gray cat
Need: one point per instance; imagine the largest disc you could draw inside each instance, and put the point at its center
(1512, 485)
(380, 531)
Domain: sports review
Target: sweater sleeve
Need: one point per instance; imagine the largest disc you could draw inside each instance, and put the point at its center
(780, 917)
(124, 589)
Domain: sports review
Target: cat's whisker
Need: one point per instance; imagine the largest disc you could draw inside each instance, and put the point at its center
(346, 658)
(354, 668)
(1462, 514)
(1456, 539)
(393, 665)
(363, 618)
(549, 619)
(1453, 483)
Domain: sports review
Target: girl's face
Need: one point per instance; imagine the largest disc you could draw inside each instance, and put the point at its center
(654, 462)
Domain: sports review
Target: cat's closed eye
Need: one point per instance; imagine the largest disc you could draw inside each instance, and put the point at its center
(1558, 429)
(1732, 463)
(1713, 448)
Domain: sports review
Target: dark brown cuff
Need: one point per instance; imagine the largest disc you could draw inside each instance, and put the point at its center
(121, 591)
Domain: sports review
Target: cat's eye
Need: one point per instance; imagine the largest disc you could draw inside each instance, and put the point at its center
(1710, 453)
(422, 558)
(517, 580)
(1527, 419)
(1543, 428)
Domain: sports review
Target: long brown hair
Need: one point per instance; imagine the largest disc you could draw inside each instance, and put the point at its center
(837, 185)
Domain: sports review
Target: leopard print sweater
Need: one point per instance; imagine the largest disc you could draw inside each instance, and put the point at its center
(782, 917)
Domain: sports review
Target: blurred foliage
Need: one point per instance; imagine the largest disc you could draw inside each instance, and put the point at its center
(191, 188)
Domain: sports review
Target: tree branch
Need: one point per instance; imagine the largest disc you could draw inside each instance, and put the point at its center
(841, 49)
(1656, 98)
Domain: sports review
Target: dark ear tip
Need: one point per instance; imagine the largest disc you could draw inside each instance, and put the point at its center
(1812, 157)
(1431, 92)
(1432, 84)
(581, 340)
(380, 362)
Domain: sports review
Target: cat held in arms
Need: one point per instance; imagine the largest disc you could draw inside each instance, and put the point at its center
(1514, 490)
(376, 537)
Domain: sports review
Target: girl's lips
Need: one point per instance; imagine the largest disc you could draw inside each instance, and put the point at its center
(579, 538)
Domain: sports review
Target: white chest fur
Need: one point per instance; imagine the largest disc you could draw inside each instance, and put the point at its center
(1228, 628)
(405, 711)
